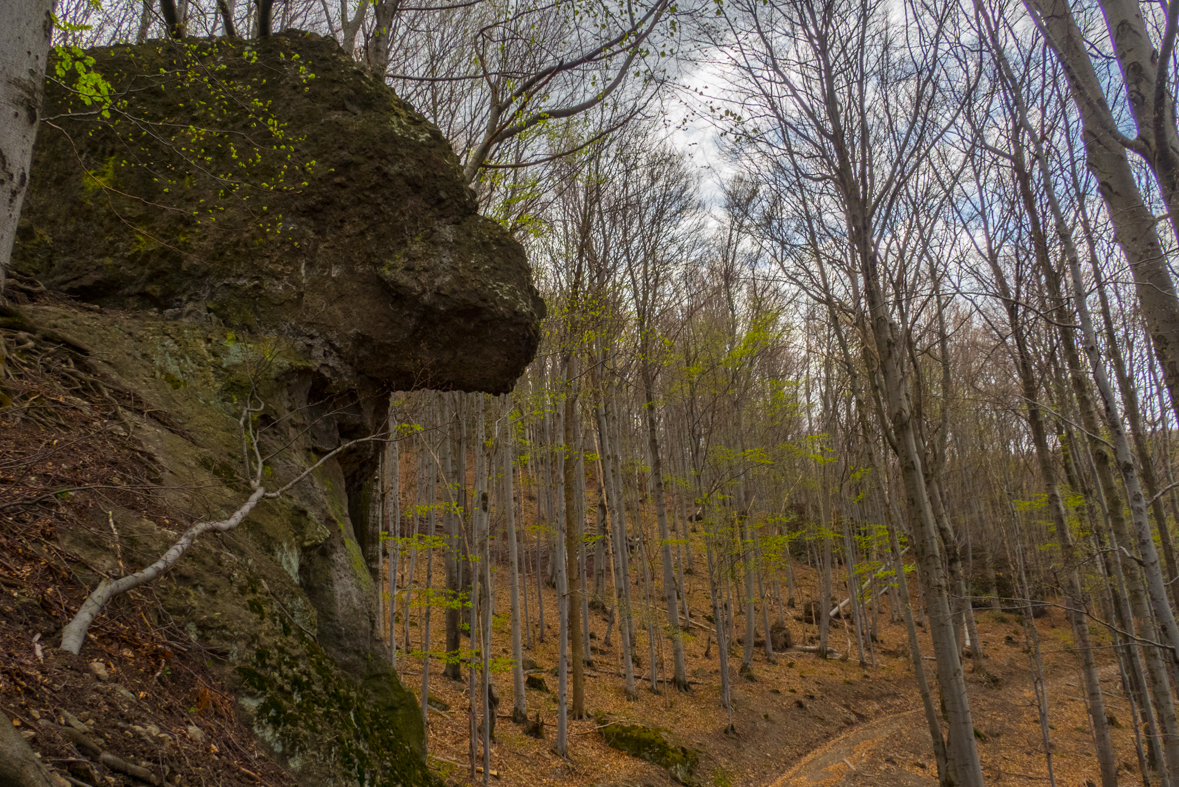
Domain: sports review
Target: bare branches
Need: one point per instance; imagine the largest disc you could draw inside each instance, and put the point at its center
(74, 633)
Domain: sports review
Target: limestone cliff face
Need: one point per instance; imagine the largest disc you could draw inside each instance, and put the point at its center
(265, 220)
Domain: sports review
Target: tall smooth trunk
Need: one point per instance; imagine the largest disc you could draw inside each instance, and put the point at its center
(562, 631)
(680, 676)
(26, 27)
(617, 516)
(572, 538)
(519, 699)
(1134, 223)
(393, 517)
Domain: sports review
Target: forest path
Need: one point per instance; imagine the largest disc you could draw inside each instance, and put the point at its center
(895, 751)
(857, 756)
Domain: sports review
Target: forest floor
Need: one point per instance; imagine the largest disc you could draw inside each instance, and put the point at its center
(145, 693)
(889, 751)
(803, 722)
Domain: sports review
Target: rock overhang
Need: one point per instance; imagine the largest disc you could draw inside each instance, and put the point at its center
(279, 188)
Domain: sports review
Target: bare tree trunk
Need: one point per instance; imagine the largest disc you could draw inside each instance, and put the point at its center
(385, 11)
(722, 642)
(745, 547)
(622, 533)
(1144, 71)
(350, 28)
(1129, 393)
(431, 530)
(571, 448)
(519, 700)
(483, 531)
(1156, 587)
(600, 541)
(472, 551)
(612, 483)
(546, 516)
(648, 607)
(898, 562)
(853, 593)
(1032, 637)
(962, 761)
(416, 517)
(765, 601)
(823, 613)
(393, 517)
(954, 564)
(680, 676)
(26, 27)
(1055, 503)
(453, 522)
(563, 629)
(145, 19)
(579, 492)
(1134, 224)
(1160, 603)
(74, 633)
(519, 508)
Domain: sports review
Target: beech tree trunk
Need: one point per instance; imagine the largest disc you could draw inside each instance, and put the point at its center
(563, 606)
(26, 27)
(572, 540)
(519, 700)
(1134, 224)
(680, 675)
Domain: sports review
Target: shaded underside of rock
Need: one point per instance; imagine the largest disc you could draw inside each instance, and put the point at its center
(279, 188)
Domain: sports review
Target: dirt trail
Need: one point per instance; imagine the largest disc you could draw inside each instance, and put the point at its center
(896, 751)
(864, 755)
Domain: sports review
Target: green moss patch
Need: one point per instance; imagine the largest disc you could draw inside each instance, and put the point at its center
(322, 722)
(654, 746)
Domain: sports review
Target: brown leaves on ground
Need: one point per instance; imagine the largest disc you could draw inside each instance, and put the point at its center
(141, 691)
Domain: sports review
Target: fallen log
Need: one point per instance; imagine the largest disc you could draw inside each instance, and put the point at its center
(837, 610)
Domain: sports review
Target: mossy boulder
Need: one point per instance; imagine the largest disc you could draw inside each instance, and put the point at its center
(655, 746)
(277, 187)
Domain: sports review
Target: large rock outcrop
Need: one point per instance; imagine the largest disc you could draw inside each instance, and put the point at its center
(279, 187)
(265, 222)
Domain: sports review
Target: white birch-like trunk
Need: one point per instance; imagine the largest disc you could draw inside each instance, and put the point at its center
(680, 674)
(25, 30)
(74, 633)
